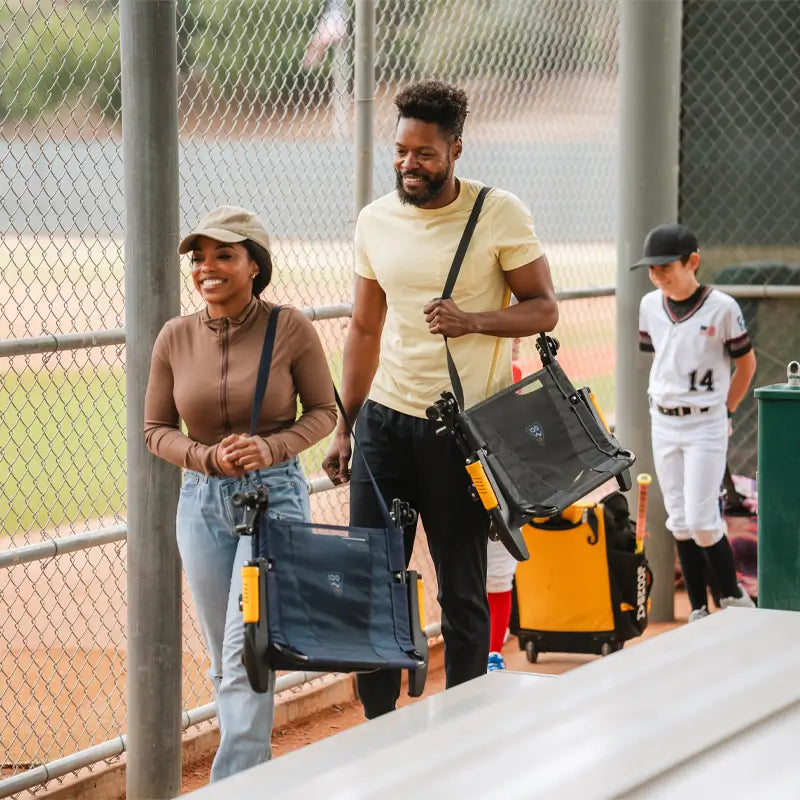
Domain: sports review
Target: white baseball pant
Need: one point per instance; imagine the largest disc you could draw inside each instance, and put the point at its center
(689, 454)
(500, 568)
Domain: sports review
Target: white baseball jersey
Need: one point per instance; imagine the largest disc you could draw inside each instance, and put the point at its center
(692, 365)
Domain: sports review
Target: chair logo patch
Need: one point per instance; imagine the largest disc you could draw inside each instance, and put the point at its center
(336, 582)
(536, 432)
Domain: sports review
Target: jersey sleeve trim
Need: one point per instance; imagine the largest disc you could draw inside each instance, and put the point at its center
(739, 346)
(645, 342)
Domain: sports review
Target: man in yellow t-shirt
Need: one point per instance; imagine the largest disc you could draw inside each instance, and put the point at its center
(395, 365)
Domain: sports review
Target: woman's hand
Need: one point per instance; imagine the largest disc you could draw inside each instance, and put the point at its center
(225, 461)
(245, 453)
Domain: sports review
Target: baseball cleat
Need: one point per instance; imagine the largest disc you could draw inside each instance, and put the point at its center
(744, 601)
(698, 613)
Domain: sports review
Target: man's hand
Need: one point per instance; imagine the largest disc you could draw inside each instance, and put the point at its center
(245, 453)
(446, 318)
(337, 460)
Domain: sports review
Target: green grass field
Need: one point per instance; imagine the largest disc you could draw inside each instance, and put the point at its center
(63, 445)
(64, 448)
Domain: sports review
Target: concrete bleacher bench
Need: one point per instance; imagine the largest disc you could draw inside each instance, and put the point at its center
(709, 709)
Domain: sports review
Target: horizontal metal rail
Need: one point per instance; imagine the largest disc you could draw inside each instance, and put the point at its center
(118, 745)
(766, 292)
(55, 342)
(585, 293)
(742, 290)
(40, 551)
(56, 547)
(329, 312)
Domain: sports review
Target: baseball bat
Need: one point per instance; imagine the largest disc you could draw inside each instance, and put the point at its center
(643, 481)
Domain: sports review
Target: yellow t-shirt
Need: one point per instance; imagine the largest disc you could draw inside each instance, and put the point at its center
(409, 250)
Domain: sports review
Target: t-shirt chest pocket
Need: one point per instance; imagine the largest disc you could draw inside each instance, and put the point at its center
(472, 275)
(476, 269)
(425, 274)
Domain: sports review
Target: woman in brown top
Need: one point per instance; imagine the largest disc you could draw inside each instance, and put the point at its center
(203, 372)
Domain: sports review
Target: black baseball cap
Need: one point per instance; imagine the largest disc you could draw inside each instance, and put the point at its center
(667, 243)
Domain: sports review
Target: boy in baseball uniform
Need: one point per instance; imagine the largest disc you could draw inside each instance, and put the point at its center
(696, 334)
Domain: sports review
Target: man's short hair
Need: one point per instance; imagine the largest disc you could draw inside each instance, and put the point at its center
(434, 101)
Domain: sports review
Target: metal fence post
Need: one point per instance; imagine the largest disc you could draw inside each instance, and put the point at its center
(150, 154)
(364, 92)
(650, 79)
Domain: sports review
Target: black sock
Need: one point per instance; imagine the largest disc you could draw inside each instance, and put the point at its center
(720, 559)
(693, 566)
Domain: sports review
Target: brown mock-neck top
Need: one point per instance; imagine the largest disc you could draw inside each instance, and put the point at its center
(203, 371)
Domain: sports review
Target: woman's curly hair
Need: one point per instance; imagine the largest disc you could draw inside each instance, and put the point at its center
(434, 101)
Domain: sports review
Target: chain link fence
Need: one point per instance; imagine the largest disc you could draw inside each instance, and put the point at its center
(266, 121)
(738, 190)
(542, 83)
(62, 468)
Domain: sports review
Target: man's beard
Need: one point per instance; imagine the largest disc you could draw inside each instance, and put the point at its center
(435, 186)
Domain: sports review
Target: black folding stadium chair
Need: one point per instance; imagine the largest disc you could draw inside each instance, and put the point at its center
(329, 598)
(325, 597)
(534, 448)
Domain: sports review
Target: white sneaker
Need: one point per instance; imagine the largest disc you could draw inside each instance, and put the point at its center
(745, 601)
(698, 613)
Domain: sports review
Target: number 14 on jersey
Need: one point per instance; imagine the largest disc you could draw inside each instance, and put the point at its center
(706, 381)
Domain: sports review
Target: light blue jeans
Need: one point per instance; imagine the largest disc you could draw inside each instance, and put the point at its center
(212, 556)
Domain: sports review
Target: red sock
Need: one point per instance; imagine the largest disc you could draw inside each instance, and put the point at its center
(500, 614)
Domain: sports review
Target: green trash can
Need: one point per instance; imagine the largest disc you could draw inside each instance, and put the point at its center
(777, 482)
(767, 322)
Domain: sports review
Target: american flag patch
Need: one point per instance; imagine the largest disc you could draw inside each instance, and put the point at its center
(708, 330)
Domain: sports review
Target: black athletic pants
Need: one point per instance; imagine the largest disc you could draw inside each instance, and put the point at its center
(410, 462)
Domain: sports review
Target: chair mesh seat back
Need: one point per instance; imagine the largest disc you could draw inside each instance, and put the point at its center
(545, 443)
(333, 595)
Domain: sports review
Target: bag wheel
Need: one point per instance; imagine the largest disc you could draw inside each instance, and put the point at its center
(531, 652)
(611, 646)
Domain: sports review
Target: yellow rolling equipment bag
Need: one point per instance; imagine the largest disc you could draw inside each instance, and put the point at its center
(586, 586)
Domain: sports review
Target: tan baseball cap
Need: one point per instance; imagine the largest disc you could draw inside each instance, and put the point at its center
(228, 224)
